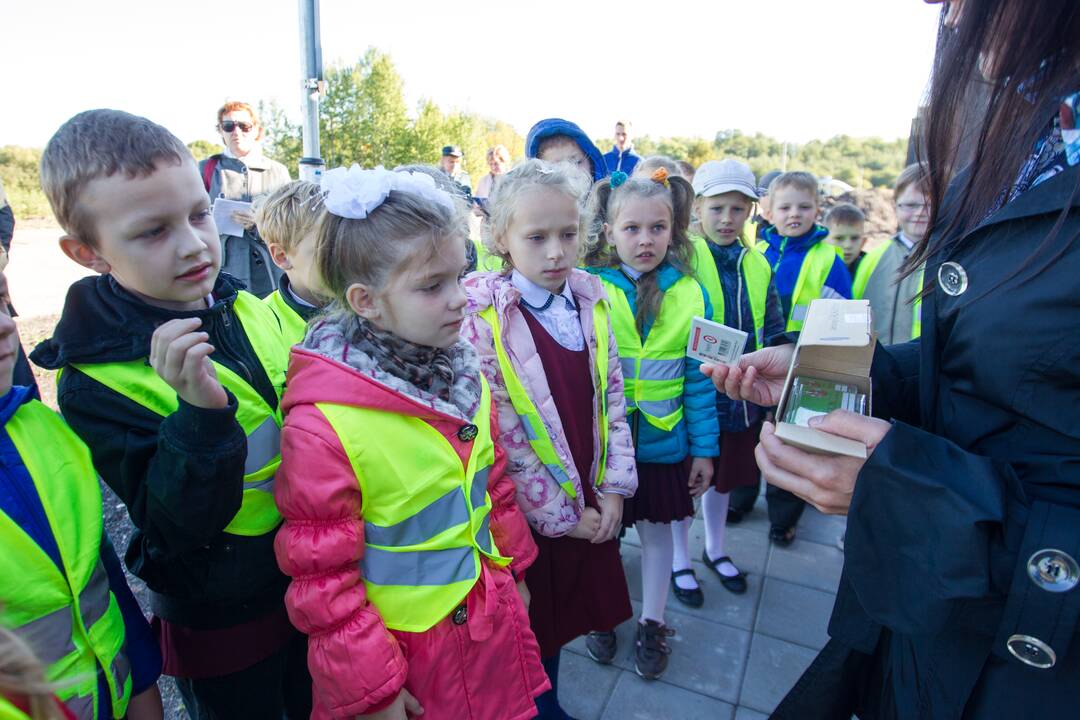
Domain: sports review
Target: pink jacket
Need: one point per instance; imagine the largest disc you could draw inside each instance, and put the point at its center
(547, 507)
(487, 668)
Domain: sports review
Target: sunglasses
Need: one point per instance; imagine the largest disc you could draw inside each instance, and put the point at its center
(230, 125)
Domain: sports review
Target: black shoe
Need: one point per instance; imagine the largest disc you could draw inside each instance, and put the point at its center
(651, 653)
(732, 583)
(735, 516)
(781, 536)
(691, 598)
(601, 646)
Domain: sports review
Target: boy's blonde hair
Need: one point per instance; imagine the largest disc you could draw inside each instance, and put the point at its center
(797, 179)
(915, 174)
(508, 191)
(287, 215)
(98, 144)
(844, 214)
(22, 674)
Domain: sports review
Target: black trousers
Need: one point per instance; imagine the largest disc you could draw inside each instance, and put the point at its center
(785, 509)
(277, 687)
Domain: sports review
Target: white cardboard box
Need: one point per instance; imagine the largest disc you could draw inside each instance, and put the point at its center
(836, 343)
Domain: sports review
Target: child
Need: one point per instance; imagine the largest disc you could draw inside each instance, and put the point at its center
(846, 224)
(543, 334)
(641, 252)
(740, 285)
(805, 269)
(189, 444)
(401, 532)
(57, 555)
(556, 140)
(897, 316)
(288, 220)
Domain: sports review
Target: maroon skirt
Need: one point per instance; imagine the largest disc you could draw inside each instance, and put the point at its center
(737, 467)
(663, 494)
(576, 588)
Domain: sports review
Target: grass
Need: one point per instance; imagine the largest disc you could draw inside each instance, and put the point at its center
(31, 332)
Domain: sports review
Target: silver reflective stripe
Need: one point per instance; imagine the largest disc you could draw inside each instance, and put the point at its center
(530, 433)
(94, 599)
(628, 367)
(444, 513)
(659, 408)
(265, 485)
(50, 635)
(798, 313)
(483, 536)
(662, 369)
(479, 487)
(82, 707)
(759, 337)
(121, 669)
(558, 473)
(263, 445)
(422, 567)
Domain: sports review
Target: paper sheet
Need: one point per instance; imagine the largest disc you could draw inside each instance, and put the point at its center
(223, 210)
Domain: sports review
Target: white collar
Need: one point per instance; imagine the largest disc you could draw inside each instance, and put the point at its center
(297, 299)
(908, 242)
(635, 275)
(536, 296)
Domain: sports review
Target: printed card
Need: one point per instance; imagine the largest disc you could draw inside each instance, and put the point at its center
(711, 342)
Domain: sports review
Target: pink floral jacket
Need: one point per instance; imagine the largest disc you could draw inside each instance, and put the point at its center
(549, 510)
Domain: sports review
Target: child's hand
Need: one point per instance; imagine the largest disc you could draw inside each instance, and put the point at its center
(244, 219)
(610, 516)
(526, 596)
(404, 707)
(587, 525)
(181, 356)
(701, 472)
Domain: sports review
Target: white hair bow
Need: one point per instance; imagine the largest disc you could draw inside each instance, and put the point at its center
(355, 193)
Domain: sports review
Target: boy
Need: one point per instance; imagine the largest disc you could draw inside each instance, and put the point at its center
(56, 553)
(557, 140)
(188, 443)
(289, 220)
(804, 269)
(622, 156)
(846, 225)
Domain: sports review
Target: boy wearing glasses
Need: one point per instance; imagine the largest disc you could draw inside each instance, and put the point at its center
(241, 173)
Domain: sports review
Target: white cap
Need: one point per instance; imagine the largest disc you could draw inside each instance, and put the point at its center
(716, 177)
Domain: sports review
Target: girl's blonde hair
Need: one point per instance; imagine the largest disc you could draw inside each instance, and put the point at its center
(603, 207)
(402, 230)
(530, 174)
(651, 164)
(23, 675)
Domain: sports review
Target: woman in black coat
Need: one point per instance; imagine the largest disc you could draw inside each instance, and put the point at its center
(959, 592)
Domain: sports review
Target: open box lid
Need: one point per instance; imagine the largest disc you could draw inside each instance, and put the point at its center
(838, 335)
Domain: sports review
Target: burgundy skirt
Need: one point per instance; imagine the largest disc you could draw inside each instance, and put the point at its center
(576, 588)
(663, 494)
(737, 467)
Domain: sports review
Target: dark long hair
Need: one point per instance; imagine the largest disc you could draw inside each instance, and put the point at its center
(1031, 51)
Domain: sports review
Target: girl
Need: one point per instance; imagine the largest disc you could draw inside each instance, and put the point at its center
(740, 284)
(542, 329)
(641, 252)
(401, 532)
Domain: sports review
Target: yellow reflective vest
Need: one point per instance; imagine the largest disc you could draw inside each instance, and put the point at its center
(425, 516)
(535, 429)
(10, 712)
(754, 274)
(293, 326)
(485, 261)
(815, 269)
(866, 269)
(137, 381)
(654, 372)
(70, 618)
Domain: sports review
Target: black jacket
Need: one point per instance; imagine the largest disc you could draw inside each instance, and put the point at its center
(980, 472)
(180, 477)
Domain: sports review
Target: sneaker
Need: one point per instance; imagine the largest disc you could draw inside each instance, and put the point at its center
(601, 646)
(652, 650)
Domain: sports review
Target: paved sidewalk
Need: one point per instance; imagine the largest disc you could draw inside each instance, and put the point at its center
(734, 658)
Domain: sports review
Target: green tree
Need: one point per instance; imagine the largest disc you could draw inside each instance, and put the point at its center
(20, 174)
(202, 149)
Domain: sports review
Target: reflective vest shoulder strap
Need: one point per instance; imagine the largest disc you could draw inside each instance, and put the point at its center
(707, 274)
(866, 268)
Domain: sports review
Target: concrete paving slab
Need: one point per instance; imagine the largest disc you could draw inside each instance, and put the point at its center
(637, 699)
(807, 563)
(795, 613)
(821, 528)
(771, 670)
(585, 686)
(745, 713)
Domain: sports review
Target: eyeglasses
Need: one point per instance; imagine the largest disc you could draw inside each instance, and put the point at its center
(912, 207)
(230, 125)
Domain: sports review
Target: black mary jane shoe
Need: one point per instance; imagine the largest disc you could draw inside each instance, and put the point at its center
(690, 598)
(732, 583)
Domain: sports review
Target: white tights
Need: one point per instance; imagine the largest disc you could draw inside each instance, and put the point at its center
(656, 556)
(714, 506)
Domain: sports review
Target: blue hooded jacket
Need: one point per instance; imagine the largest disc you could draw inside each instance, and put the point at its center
(786, 255)
(557, 126)
(698, 433)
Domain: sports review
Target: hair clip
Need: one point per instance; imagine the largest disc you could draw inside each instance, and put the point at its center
(660, 175)
(618, 178)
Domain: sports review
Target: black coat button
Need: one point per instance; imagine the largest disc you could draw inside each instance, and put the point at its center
(468, 433)
(461, 615)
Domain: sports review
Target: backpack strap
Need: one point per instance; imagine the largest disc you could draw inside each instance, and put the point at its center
(208, 170)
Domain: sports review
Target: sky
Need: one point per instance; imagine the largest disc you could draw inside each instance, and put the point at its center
(792, 69)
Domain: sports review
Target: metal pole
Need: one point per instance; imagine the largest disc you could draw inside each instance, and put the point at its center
(311, 88)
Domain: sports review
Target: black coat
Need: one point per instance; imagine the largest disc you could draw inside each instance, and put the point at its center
(980, 472)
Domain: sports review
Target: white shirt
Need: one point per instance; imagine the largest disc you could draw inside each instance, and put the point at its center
(908, 243)
(633, 274)
(558, 314)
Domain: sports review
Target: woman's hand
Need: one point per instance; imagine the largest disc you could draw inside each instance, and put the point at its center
(404, 707)
(610, 517)
(244, 218)
(701, 474)
(587, 525)
(825, 481)
(758, 378)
